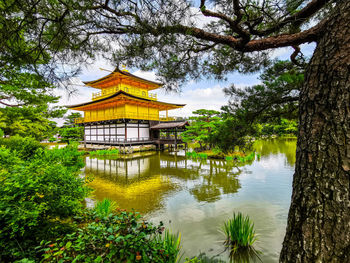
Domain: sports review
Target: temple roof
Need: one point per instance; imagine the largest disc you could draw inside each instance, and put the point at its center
(123, 93)
(123, 74)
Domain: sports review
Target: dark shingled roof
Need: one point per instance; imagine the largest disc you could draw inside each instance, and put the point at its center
(170, 125)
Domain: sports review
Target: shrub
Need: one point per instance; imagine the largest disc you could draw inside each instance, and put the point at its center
(37, 192)
(239, 232)
(119, 237)
(71, 134)
(52, 139)
(25, 147)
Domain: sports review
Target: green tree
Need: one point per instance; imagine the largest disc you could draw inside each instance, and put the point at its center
(28, 121)
(202, 127)
(165, 35)
(26, 99)
(234, 131)
(69, 120)
(71, 134)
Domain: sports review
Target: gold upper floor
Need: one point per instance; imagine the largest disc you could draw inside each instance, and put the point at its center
(135, 91)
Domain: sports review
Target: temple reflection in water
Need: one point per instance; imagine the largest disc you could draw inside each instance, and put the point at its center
(143, 181)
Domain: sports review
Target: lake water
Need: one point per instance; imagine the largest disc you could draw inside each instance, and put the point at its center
(196, 197)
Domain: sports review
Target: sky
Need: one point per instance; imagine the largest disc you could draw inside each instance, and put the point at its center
(203, 94)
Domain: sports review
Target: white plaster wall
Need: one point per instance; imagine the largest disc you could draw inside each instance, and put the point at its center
(132, 133)
(121, 130)
(144, 132)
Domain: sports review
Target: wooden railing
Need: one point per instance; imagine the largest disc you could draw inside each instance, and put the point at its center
(136, 92)
(130, 115)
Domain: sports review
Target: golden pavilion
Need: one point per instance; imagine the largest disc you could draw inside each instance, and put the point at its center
(125, 110)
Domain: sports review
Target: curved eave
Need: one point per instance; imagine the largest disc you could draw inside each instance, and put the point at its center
(74, 107)
(125, 73)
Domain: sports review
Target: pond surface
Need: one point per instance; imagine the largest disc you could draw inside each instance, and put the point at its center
(196, 197)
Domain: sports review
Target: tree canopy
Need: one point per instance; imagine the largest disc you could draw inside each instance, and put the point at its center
(206, 38)
(276, 97)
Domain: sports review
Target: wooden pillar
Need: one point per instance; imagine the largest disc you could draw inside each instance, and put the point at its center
(166, 114)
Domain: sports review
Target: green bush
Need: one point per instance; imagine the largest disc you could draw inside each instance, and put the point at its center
(25, 147)
(119, 237)
(240, 233)
(71, 134)
(38, 191)
(52, 139)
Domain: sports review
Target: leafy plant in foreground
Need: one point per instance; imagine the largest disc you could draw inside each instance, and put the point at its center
(119, 237)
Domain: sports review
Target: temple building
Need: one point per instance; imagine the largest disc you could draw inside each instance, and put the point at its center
(125, 111)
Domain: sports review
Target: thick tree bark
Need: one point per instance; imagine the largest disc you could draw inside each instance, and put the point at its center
(319, 217)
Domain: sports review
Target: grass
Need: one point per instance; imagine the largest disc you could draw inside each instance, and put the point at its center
(172, 244)
(241, 158)
(105, 207)
(195, 155)
(240, 233)
(110, 152)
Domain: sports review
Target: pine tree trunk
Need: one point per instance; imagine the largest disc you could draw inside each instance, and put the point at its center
(319, 217)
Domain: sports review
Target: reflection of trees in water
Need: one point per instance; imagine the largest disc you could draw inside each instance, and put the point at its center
(214, 177)
(218, 182)
(276, 146)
